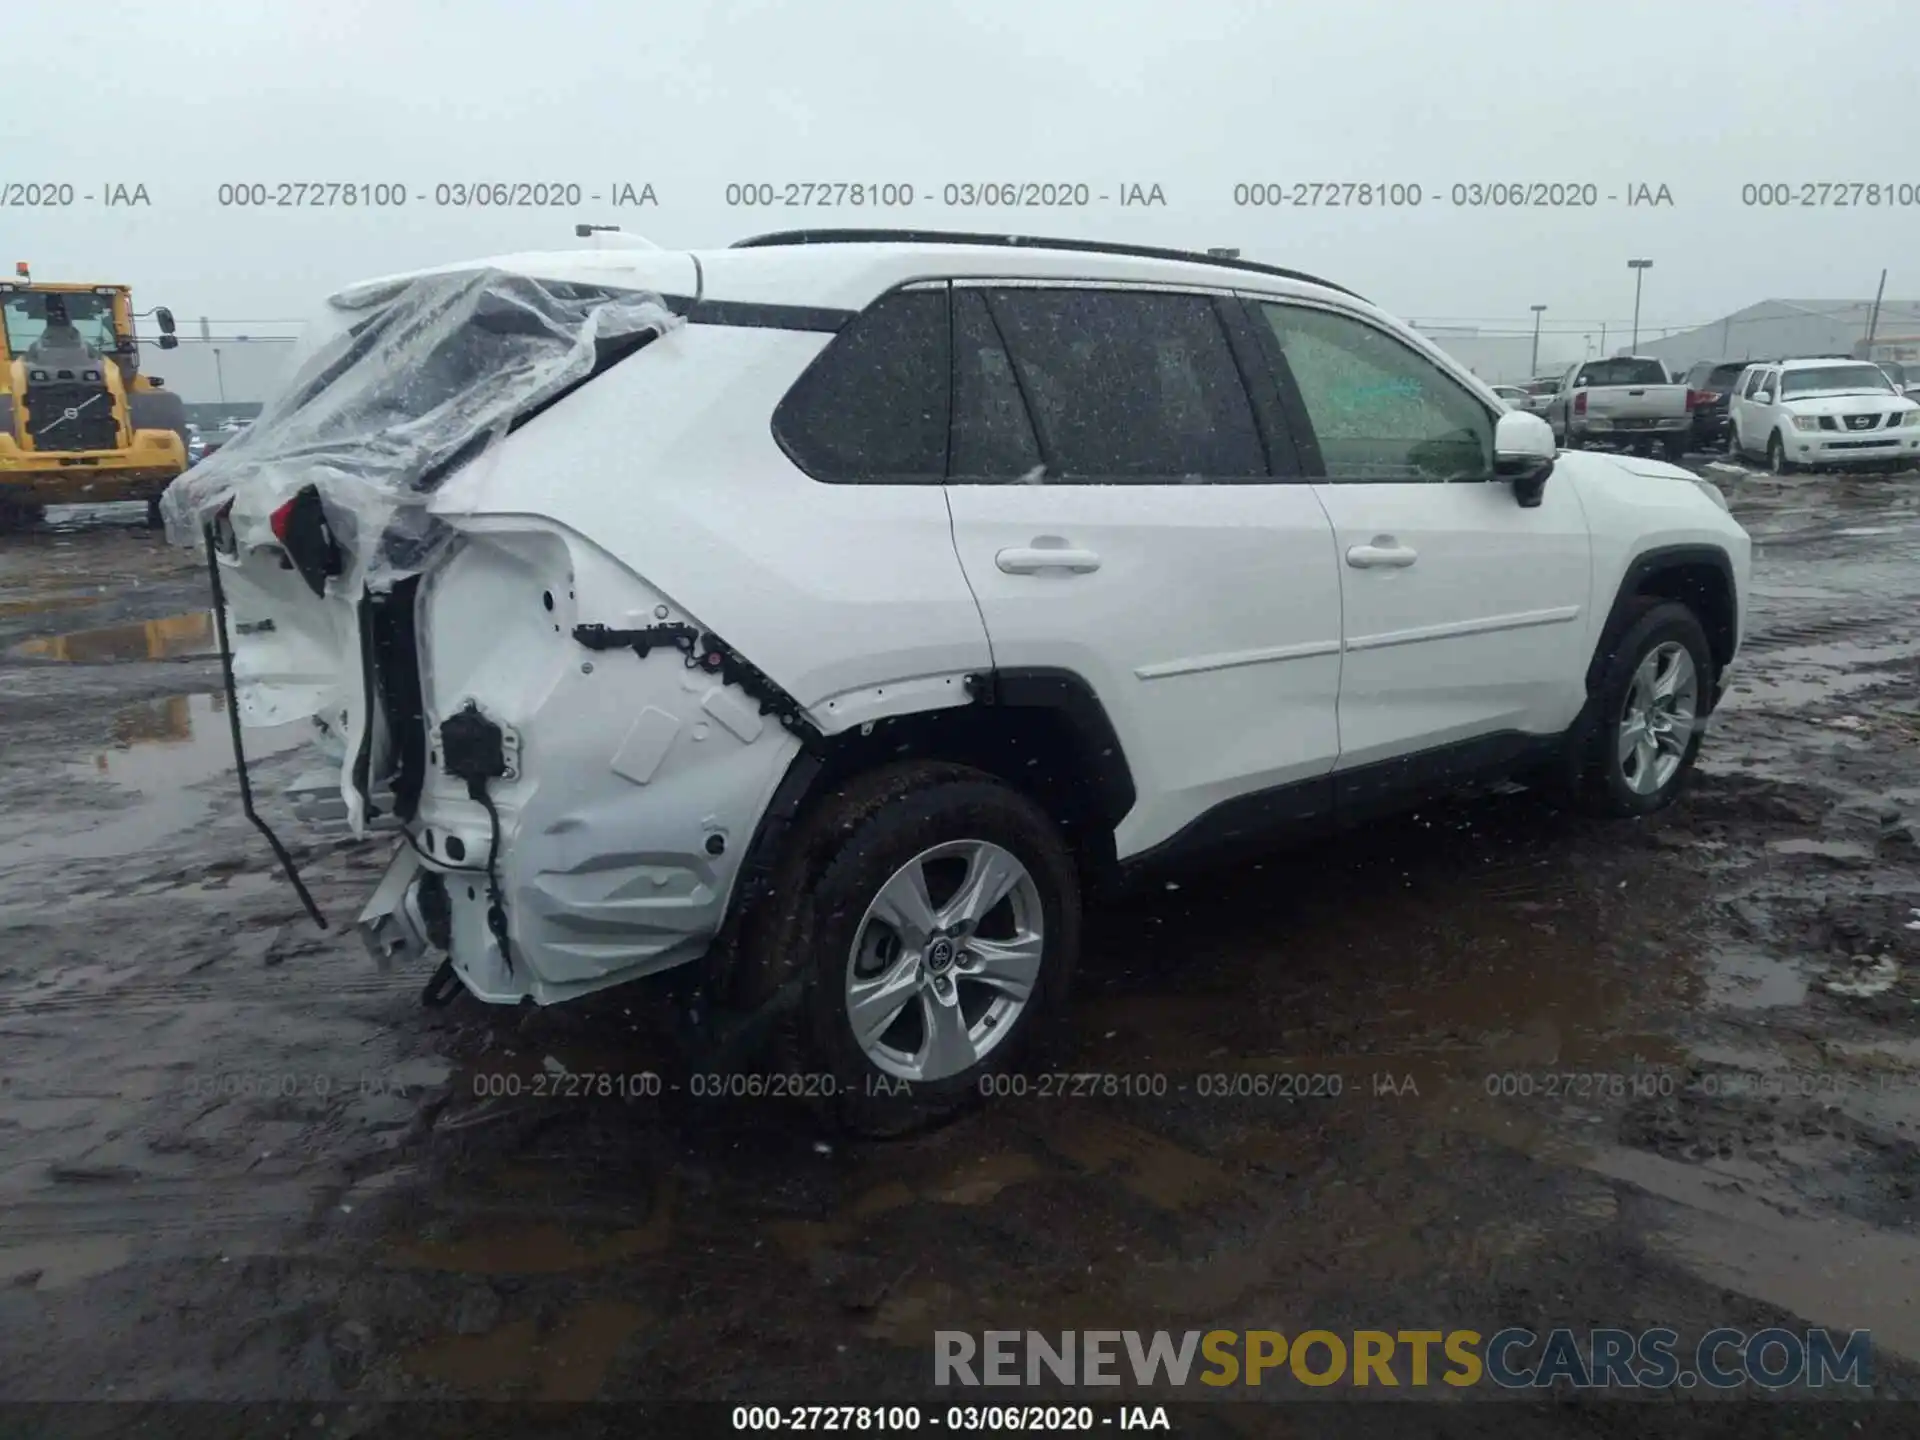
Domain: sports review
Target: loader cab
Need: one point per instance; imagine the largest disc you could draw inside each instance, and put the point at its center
(65, 343)
(55, 324)
(39, 322)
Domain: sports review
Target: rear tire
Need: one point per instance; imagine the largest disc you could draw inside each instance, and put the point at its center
(1650, 709)
(155, 520)
(844, 921)
(1676, 451)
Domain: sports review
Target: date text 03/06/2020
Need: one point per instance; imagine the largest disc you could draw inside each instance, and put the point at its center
(954, 1419)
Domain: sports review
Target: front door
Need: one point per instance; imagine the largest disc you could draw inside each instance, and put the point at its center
(1465, 612)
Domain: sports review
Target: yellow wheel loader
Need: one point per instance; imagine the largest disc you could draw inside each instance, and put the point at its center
(79, 423)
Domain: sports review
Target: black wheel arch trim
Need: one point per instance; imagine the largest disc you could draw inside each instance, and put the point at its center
(1064, 692)
(1644, 567)
(1074, 700)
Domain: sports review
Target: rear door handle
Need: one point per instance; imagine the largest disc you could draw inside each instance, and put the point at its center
(1029, 559)
(1383, 554)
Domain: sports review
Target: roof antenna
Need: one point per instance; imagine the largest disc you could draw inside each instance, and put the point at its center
(612, 237)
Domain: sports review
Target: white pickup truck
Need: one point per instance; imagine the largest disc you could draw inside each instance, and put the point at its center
(1625, 401)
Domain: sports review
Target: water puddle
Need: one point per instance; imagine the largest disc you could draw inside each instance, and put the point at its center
(1842, 852)
(1752, 980)
(175, 637)
(41, 604)
(567, 1362)
(1829, 1272)
(167, 748)
(535, 1250)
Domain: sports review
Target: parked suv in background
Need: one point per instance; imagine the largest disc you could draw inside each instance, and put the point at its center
(1710, 385)
(838, 644)
(1808, 413)
(1905, 374)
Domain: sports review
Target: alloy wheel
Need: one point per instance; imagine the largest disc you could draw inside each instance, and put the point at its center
(944, 960)
(1657, 718)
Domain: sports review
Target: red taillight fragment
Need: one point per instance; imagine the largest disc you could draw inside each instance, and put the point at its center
(279, 520)
(1580, 403)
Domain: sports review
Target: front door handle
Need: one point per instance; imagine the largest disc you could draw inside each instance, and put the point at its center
(1030, 559)
(1383, 554)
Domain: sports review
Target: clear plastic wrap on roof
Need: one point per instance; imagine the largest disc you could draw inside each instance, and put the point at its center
(402, 383)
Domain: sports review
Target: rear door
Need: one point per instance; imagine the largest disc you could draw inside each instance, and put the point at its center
(1465, 613)
(1116, 510)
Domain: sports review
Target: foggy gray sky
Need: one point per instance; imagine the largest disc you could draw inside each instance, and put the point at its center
(1195, 97)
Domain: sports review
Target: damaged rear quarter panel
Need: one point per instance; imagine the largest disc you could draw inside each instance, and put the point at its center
(633, 771)
(668, 463)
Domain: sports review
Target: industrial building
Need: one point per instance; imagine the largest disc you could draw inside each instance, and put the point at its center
(1502, 359)
(1785, 328)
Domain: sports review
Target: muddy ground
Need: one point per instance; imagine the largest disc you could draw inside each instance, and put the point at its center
(236, 1163)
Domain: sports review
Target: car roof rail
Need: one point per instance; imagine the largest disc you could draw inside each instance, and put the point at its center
(1026, 242)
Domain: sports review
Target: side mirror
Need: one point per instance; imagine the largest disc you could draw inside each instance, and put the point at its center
(1523, 453)
(1763, 397)
(163, 317)
(169, 341)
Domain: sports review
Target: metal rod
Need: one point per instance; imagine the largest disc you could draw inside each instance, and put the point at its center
(239, 750)
(1873, 320)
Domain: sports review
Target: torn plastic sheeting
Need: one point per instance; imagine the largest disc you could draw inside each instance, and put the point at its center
(403, 382)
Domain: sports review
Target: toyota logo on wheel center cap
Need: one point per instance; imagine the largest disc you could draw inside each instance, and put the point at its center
(940, 954)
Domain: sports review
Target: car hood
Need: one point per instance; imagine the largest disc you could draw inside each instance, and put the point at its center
(1846, 404)
(1652, 469)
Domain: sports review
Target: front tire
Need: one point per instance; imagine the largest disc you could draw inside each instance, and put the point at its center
(1650, 713)
(934, 936)
(1777, 460)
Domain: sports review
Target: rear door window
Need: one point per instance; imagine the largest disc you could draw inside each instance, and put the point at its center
(872, 408)
(1122, 387)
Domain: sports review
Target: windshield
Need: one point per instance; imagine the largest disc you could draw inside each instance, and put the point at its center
(1835, 380)
(1542, 387)
(76, 319)
(1622, 372)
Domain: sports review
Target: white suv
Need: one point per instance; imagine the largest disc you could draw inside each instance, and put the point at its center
(829, 618)
(1805, 413)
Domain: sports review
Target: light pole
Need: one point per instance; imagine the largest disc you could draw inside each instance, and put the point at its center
(220, 375)
(1535, 368)
(1639, 268)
